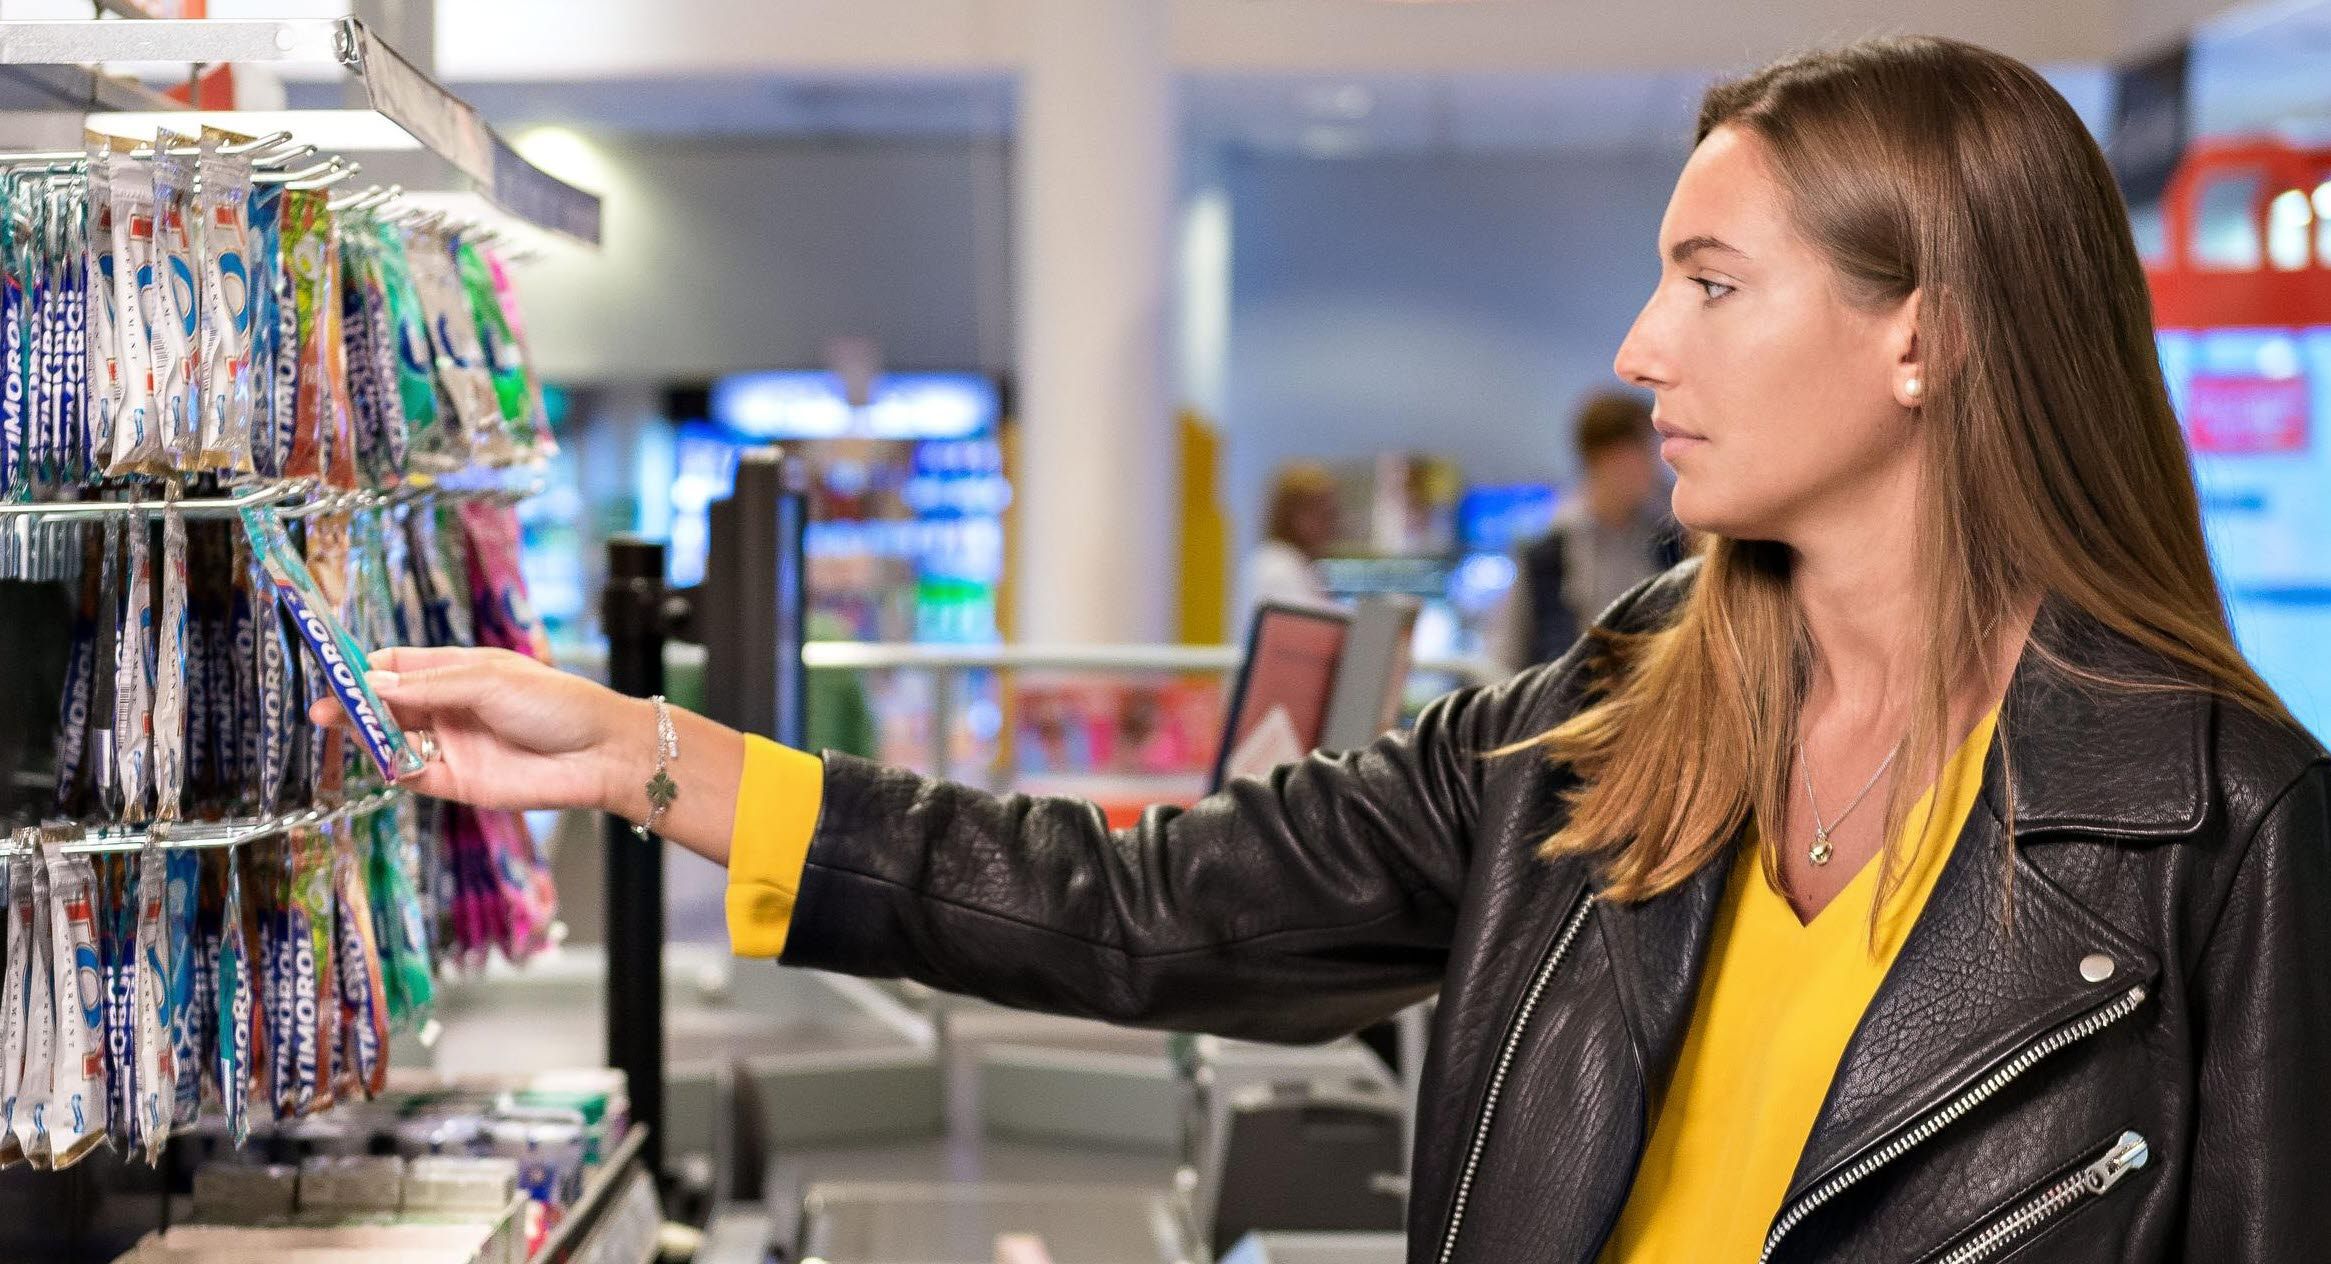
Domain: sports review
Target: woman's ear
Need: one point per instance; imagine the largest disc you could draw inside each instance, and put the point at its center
(1930, 343)
(1912, 383)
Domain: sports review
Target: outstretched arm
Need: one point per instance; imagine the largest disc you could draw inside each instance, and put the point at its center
(513, 733)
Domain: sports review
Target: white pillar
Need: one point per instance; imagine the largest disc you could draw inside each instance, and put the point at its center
(1094, 177)
(1202, 290)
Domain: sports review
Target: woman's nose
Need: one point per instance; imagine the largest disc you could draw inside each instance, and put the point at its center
(1639, 361)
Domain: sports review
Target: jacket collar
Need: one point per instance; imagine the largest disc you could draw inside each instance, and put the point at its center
(2068, 737)
(1658, 950)
(2072, 744)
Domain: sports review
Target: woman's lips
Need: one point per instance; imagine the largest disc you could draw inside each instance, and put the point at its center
(1674, 440)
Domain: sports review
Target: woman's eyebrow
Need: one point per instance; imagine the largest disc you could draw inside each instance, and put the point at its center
(1689, 246)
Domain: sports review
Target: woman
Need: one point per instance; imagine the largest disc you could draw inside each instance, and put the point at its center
(1917, 874)
(1300, 525)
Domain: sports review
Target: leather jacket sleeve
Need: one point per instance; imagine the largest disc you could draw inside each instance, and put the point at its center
(1293, 907)
(2262, 997)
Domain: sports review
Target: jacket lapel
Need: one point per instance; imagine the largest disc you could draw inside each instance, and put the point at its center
(1990, 969)
(1658, 948)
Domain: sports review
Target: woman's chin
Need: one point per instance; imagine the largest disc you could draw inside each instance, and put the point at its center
(1712, 517)
(1696, 511)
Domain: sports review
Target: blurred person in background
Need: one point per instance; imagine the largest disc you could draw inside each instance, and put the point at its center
(1302, 522)
(1612, 535)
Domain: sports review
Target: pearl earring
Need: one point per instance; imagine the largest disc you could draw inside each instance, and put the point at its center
(1914, 388)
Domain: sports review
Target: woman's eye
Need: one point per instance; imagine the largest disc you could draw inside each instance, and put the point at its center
(1712, 288)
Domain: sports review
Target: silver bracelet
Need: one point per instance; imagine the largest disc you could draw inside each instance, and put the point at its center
(661, 789)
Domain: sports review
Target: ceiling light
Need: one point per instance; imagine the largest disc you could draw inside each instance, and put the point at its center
(567, 154)
(1341, 101)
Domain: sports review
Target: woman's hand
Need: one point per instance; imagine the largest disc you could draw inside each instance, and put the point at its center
(514, 733)
(511, 732)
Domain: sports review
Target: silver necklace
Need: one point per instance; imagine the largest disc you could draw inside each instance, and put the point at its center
(1820, 852)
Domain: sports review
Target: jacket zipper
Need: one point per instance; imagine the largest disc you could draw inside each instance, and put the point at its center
(1505, 1061)
(2126, 1156)
(1936, 1122)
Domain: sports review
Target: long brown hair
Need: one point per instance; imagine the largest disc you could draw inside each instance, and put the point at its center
(2052, 463)
(1295, 488)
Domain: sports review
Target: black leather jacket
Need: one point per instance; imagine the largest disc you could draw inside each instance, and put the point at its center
(2158, 969)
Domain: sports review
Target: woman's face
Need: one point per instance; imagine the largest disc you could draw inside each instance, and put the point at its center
(1776, 398)
(1313, 524)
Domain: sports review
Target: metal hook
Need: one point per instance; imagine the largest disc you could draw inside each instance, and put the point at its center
(44, 158)
(354, 201)
(265, 151)
(368, 199)
(330, 178)
(294, 177)
(257, 145)
(281, 158)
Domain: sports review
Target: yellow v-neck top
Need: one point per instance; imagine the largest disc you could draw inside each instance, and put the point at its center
(1778, 1001)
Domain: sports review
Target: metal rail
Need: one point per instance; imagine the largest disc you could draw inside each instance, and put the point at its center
(1209, 659)
(293, 498)
(947, 662)
(212, 835)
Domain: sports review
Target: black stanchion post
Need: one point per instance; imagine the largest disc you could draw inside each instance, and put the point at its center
(753, 604)
(632, 610)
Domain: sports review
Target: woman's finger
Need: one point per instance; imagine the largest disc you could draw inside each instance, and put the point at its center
(326, 712)
(434, 780)
(406, 658)
(413, 698)
(450, 687)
